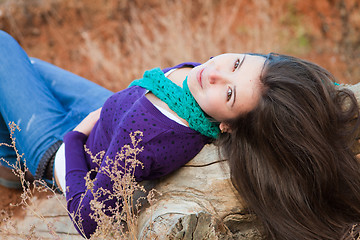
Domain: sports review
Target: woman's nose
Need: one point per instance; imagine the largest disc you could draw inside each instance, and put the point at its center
(216, 76)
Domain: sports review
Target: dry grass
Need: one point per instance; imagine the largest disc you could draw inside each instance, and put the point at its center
(30, 189)
(121, 224)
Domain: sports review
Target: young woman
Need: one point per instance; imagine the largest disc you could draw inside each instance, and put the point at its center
(250, 103)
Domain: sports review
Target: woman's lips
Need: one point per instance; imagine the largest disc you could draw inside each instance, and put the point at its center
(199, 77)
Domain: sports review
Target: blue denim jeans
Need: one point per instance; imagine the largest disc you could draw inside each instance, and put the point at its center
(43, 100)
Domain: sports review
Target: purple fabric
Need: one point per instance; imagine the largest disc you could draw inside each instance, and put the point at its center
(167, 146)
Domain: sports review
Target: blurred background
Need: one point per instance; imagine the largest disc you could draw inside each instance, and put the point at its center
(112, 42)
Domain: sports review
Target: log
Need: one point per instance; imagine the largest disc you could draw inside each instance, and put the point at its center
(356, 90)
(46, 218)
(198, 202)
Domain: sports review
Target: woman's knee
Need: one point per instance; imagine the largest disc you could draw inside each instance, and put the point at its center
(10, 48)
(6, 38)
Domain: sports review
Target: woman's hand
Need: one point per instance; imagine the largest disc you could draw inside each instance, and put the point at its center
(86, 125)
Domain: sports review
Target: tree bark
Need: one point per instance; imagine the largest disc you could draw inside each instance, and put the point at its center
(198, 202)
(356, 90)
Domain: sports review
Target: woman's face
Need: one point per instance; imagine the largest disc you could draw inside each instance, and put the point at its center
(227, 85)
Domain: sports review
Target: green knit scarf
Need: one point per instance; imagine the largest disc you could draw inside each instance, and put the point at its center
(179, 100)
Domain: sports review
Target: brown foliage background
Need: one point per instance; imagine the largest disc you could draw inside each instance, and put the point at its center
(112, 42)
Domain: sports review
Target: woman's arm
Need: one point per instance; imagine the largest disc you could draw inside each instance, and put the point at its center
(86, 125)
(76, 165)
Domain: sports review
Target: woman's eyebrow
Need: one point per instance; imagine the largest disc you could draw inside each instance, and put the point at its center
(242, 61)
(234, 97)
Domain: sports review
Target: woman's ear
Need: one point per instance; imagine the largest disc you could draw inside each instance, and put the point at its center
(224, 127)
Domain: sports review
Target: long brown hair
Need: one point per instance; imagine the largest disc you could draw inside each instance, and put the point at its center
(290, 158)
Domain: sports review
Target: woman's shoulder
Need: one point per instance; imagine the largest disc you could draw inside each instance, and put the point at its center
(126, 95)
(182, 65)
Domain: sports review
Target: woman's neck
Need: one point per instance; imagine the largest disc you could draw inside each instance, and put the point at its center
(178, 76)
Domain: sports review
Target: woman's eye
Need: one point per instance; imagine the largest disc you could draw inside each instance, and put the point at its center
(236, 64)
(229, 93)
